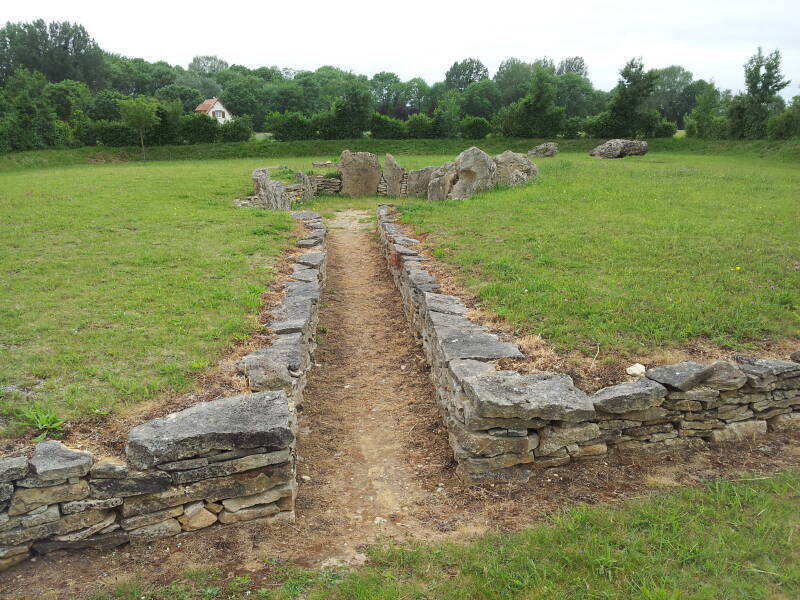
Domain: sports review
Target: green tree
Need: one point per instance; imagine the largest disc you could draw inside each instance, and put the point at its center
(674, 93)
(205, 65)
(349, 115)
(67, 96)
(140, 114)
(462, 73)
(481, 99)
(749, 112)
(576, 94)
(417, 91)
(189, 98)
(58, 50)
(207, 86)
(30, 118)
(245, 95)
(105, 105)
(574, 65)
(706, 120)
(446, 121)
(513, 79)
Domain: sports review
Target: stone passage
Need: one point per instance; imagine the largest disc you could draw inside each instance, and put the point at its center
(224, 461)
(502, 424)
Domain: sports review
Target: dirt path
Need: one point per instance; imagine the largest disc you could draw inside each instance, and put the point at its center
(374, 464)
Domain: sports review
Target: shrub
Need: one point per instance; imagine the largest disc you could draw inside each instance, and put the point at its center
(113, 133)
(387, 128)
(5, 143)
(238, 129)
(420, 126)
(65, 136)
(665, 129)
(573, 126)
(784, 125)
(167, 130)
(198, 129)
(290, 126)
(445, 123)
(475, 128)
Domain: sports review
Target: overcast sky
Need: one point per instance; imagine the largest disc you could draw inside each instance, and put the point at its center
(711, 38)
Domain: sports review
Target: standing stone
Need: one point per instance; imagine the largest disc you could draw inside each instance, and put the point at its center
(392, 175)
(476, 172)
(546, 150)
(618, 148)
(441, 181)
(361, 173)
(271, 194)
(418, 181)
(514, 168)
(308, 189)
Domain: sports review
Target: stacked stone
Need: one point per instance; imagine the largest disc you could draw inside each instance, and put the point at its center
(326, 185)
(502, 424)
(284, 364)
(223, 461)
(404, 185)
(382, 186)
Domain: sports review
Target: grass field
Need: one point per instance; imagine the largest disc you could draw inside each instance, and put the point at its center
(634, 254)
(117, 282)
(727, 541)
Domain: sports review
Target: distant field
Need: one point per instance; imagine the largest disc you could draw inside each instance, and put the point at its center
(634, 254)
(117, 282)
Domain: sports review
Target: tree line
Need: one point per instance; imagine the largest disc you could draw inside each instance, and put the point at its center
(58, 88)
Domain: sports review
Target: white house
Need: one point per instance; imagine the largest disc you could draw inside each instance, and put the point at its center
(213, 108)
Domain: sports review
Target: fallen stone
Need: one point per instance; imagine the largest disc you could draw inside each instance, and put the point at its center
(150, 518)
(476, 171)
(245, 421)
(53, 460)
(514, 169)
(546, 150)
(795, 356)
(682, 376)
(25, 500)
(133, 485)
(69, 508)
(12, 468)
(472, 467)
(548, 396)
(166, 528)
(618, 148)
(742, 430)
(99, 542)
(267, 497)
(248, 514)
(626, 397)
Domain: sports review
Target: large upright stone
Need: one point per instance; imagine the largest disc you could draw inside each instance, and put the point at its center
(361, 173)
(392, 175)
(618, 148)
(418, 181)
(246, 421)
(476, 172)
(53, 461)
(441, 181)
(271, 194)
(514, 168)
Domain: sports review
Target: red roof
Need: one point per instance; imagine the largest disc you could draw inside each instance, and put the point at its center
(206, 105)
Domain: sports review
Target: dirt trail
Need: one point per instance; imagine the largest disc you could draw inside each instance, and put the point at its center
(373, 460)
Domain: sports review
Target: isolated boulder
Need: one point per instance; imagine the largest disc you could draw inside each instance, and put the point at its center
(418, 182)
(361, 173)
(392, 175)
(270, 194)
(546, 150)
(441, 181)
(514, 168)
(476, 172)
(619, 149)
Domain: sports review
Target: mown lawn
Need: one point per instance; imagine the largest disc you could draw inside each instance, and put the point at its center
(633, 254)
(119, 281)
(728, 541)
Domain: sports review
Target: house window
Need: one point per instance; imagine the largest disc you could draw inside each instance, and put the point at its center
(220, 114)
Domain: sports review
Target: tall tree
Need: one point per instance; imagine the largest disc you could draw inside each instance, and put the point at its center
(748, 113)
(673, 94)
(207, 64)
(417, 91)
(187, 97)
(58, 50)
(30, 118)
(573, 64)
(513, 79)
(481, 99)
(462, 73)
(140, 114)
(67, 96)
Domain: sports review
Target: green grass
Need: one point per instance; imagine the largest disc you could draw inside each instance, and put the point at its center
(330, 149)
(636, 254)
(120, 281)
(727, 541)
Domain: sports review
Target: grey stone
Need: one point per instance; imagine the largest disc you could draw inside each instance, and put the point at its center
(423, 281)
(21, 535)
(361, 173)
(392, 175)
(150, 518)
(552, 439)
(418, 181)
(108, 468)
(270, 194)
(311, 259)
(273, 367)
(546, 150)
(99, 542)
(248, 514)
(306, 215)
(302, 273)
(474, 343)
(133, 485)
(53, 460)
(740, 431)
(682, 376)
(762, 373)
(245, 421)
(514, 168)
(441, 181)
(6, 491)
(308, 243)
(443, 303)
(238, 465)
(86, 532)
(405, 241)
(26, 500)
(476, 172)
(7, 551)
(12, 468)
(266, 497)
(303, 289)
(34, 481)
(183, 465)
(474, 444)
(795, 356)
(618, 148)
(507, 394)
(402, 250)
(723, 376)
(166, 528)
(69, 508)
(32, 519)
(633, 395)
(785, 422)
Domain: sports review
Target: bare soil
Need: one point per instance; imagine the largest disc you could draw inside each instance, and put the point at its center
(374, 462)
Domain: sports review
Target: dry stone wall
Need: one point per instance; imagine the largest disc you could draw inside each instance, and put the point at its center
(219, 462)
(503, 424)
